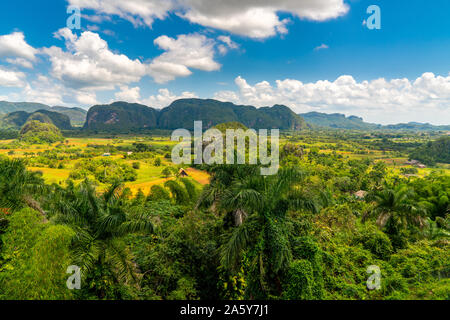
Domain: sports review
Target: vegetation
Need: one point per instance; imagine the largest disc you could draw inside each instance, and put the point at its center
(141, 228)
(38, 132)
(433, 152)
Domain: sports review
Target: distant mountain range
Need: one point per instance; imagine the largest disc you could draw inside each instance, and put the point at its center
(77, 116)
(182, 114)
(340, 121)
(123, 116)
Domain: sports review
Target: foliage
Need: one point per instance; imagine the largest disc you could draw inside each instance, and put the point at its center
(433, 152)
(38, 133)
(34, 258)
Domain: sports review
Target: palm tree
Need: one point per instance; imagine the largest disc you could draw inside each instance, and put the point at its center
(100, 223)
(19, 187)
(259, 205)
(398, 207)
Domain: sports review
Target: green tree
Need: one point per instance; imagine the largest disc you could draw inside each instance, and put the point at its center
(19, 187)
(259, 205)
(101, 222)
(397, 206)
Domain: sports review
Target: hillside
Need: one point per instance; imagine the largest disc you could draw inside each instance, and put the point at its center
(182, 114)
(8, 107)
(76, 115)
(121, 116)
(417, 127)
(337, 120)
(16, 120)
(37, 132)
(340, 121)
(433, 152)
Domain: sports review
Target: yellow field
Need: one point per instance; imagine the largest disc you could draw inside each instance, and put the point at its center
(148, 174)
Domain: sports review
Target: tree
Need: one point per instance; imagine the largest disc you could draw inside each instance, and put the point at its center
(166, 172)
(398, 207)
(19, 187)
(261, 235)
(101, 222)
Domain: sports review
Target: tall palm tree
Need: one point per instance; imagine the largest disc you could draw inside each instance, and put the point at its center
(101, 223)
(398, 207)
(260, 206)
(19, 187)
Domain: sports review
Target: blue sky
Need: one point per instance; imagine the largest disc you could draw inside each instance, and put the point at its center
(309, 55)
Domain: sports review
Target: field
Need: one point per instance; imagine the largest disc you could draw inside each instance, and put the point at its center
(148, 174)
(59, 168)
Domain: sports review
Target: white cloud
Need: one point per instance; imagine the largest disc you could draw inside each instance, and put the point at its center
(165, 98)
(20, 62)
(14, 47)
(128, 94)
(88, 63)
(138, 12)
(227, 44)
(252, 18)
(10, 78)
(161, 100)
(43, 90)
(399, 100)
(323, 46)
(193, 51)
(47, 91)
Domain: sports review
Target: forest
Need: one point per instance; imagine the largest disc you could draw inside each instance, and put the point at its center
(141, 228)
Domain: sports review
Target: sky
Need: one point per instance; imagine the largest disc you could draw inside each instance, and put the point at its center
(310, 55)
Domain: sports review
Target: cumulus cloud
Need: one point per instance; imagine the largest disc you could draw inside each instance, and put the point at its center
(165, 98)
(138, 12)
(17, 51)
(89, 63)
(47, 91)
(11, 78)
(20, 62)
(128, 94)
(251, 18)
(426, 98)
(160, 100)
(226, 44)
(193, 51)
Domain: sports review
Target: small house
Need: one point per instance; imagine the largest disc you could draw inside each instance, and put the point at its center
(107, 154)
(361, 194)
(183, 173)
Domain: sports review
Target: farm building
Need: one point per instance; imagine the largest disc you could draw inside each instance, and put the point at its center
(183, 173)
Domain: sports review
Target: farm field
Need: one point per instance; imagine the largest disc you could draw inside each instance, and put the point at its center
(149, 174)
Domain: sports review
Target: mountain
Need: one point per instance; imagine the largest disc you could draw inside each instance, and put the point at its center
(121, 116)
(182, 114)
(433, 152)
(15, 120)
(417, 127)
(340, 121)
(337, 120)
(8, 107)
(76, 115)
